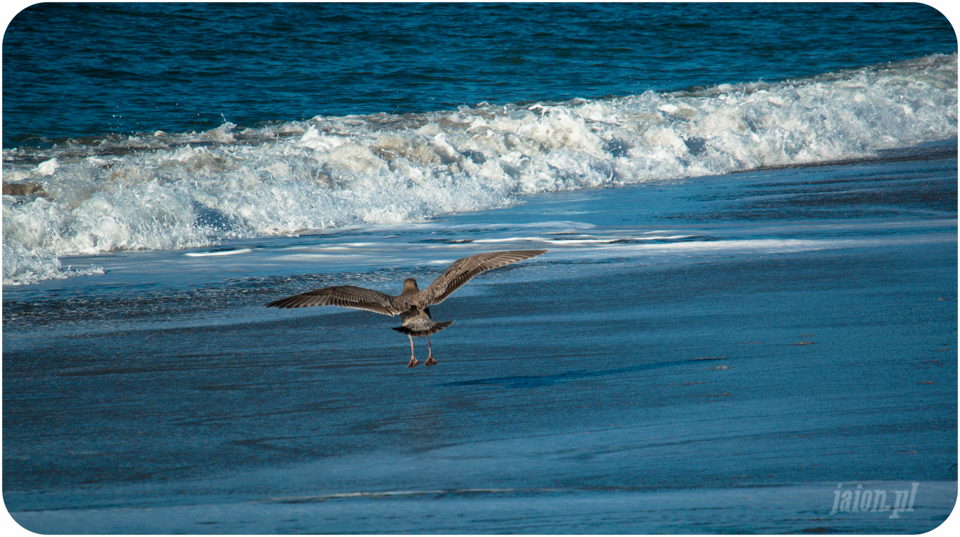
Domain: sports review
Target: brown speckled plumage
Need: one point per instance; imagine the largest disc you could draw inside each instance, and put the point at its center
(413, 303)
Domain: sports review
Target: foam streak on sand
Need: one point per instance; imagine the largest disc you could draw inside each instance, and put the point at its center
(166, 191)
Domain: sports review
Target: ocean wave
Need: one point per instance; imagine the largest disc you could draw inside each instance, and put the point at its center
(178, 190)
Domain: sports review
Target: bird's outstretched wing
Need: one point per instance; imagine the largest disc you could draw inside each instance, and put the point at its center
(463, 270)
(345, 296)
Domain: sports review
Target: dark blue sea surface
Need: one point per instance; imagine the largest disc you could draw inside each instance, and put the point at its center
(89, 70)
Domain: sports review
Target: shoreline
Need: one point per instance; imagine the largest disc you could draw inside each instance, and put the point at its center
(717, 343)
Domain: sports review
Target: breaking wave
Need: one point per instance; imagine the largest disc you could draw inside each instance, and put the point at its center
(179, 190)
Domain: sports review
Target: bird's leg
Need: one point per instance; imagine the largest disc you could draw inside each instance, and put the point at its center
(430, 360)
(413, 361)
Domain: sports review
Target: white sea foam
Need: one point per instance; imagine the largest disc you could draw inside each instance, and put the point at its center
(218, 254)
(168, 191)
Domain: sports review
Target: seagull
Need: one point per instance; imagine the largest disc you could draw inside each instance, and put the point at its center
(413, 304)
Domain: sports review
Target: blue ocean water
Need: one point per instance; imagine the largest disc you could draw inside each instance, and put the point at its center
(93, 70)
(168, 126)
(749, 300)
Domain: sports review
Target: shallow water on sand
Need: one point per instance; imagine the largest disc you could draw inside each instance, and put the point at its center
(700, 355)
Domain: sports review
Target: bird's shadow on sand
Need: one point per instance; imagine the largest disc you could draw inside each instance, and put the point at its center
(537, 381)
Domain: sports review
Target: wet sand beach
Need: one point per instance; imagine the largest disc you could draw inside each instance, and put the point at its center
(690, 356)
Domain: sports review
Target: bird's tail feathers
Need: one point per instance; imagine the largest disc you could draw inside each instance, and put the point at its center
(421, 333)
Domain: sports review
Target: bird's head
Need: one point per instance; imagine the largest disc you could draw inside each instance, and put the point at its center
(410, 287)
